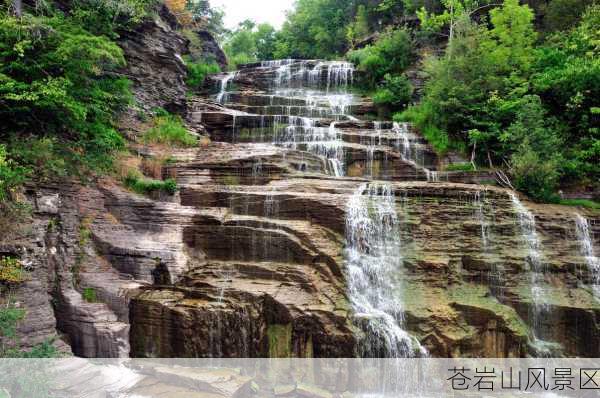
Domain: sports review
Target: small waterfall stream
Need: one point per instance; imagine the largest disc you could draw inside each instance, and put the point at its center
(537, 270)
(222, 96)
(587, 250)
(374, 259)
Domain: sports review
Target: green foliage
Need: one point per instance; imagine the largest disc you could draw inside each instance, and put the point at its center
(358, 29)
(58, 95)
(590, 204)
(467, 167)
(250, 43)
(534, 139)
(392, 53)
(107, 17)
(562, 15)
(197, 72)
(89, 295)
(495, 91)
(11, 271)
(11, 176)
(395, 92)
(510, 41)
(169, 129)
(422, 117)
(209, 18)
(566, 78)
(146, 186)
(9, 317)
(315, 29)
(453, 11)
(45, 349)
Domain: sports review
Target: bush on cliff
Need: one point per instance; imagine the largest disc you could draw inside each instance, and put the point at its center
(391, 54)
(169, 129)
(495, 88)
(197, 72)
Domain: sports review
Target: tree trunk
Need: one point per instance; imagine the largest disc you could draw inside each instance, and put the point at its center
(473, 156)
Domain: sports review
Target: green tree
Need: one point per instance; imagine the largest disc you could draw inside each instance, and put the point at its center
(359, 29)
(315, 29)
(566, 78)
(392, 53)
(266, 40)
(250, 43)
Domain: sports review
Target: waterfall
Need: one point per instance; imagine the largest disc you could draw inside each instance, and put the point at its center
(496, 275)
(586, 248)
(374, 258)
(221, 97)
(539, 307)
(401, 131)
(339, 74)
(480, 215)
(276, 63)
(412, 153)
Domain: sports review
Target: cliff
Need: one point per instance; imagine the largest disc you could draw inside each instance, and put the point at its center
(300, 230)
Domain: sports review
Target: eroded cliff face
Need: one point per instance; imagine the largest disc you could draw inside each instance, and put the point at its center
(301, 230)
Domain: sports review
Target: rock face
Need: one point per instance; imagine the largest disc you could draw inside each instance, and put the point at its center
(211, 49)
(254, 256)
(153, 52)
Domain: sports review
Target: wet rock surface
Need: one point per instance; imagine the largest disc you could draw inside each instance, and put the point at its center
(250, 258)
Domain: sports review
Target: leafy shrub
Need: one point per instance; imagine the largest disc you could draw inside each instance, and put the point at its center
(392, 53)
(53, 68)
(11, 271)
(537, 177)
(169, 129)
(11, 176)
(146, 186)
(420, 115)
(197, 72)
(107, 17)
(395, 92)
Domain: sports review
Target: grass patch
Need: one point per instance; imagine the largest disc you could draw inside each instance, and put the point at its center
(89, 295)
(169, 129)
(146, 186)
(587, 203)
(467, 167)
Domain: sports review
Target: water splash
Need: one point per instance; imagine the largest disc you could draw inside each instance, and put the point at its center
(587, 250)
(374, 257)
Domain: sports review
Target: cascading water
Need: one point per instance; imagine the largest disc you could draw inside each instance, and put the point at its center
(411, 153)
(222, 96)
(478, 202)
(302, 132)
(537, 270)
(374, 260)
(587, 250)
